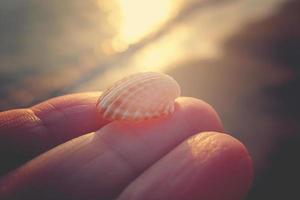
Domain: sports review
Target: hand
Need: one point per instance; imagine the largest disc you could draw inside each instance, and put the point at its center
(179, 157)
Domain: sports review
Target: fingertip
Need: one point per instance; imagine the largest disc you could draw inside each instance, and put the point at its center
(230, 170)
(209, 165)
(196, 110)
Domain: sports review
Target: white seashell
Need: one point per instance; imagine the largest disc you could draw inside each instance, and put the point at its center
(139, 96)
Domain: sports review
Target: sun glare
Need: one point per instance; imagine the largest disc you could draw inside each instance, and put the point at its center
(141, 17)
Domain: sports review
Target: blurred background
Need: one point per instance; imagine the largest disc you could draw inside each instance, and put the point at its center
(241, 56)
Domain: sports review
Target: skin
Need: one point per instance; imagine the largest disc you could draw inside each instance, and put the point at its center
(66, 150)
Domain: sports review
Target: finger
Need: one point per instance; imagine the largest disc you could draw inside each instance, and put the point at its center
(210, 166)
(27, 132)
(100, 165)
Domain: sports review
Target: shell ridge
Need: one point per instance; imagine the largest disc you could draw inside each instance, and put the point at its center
(119, 87)
(162, 106)
(143, 88)
(116, 86)
(129, 96)
(113, 87)
(139, 96)
(153, 104)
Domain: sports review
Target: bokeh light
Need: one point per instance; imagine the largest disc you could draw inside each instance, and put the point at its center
(139, 18)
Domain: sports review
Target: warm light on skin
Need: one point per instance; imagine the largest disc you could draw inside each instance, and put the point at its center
(140, 17)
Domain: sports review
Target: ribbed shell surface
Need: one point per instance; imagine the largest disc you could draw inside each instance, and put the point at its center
(139, 96)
